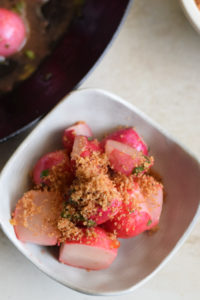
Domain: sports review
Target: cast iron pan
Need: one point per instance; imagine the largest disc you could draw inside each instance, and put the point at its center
(74, 56)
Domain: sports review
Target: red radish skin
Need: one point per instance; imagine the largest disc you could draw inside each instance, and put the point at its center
(12, 33)
(123, 158)
(92, 253)
(38, 226)
(104, 215)
(83, 147)
(79, 128)
(129, 222)
(46, 162)
(129, 137)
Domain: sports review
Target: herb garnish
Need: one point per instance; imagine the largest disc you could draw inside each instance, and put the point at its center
(19, 7)
(149, 222)
(138, 170)
(30, 54)
(44, 173)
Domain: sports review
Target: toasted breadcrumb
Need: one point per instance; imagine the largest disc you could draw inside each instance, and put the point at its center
(58, 178)
(148, 185)
(87, 167)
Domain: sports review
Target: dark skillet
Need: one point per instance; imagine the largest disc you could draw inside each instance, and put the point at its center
(63, 70)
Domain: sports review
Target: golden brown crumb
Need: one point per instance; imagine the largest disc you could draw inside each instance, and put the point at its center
(93, 193)
(68, 230)
(58, 178)
(148, 185)
(35, 203)
(87, 167)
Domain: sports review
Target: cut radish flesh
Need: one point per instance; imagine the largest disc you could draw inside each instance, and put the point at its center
(129, 137)
(35, 217)
(83, 148)
(91, 253)
(124, 159)
(80, 128)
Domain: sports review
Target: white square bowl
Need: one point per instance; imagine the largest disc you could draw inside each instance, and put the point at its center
(141, 257)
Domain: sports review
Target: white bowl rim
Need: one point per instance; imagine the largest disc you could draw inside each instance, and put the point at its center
(192, 12)
(180, 242)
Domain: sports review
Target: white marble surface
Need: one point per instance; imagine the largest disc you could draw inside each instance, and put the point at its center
(154, 63)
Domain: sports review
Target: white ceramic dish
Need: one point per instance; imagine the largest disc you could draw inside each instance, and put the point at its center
(192, 12)
(141, 257)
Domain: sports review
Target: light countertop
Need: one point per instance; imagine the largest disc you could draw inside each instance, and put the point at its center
(155, 64)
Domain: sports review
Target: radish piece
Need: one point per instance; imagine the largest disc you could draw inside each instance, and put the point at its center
(130, 221)
(12, 32)
(126, 160)
(94, 252)
(46, 162)
(35, 217)
(83, 147)
(79, 128)
(129, 137)
(104, 215)
(154, 204)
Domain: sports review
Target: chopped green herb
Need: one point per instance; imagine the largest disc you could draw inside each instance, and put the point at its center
(30, 54)
(138, 170)
(48, 76)
(131, 211)
(65, 215)
(72, 202)
(147, 159)
(90, 138)
(149, 222)
(19, 7)
(91, 223)
(44, 173)
(28, 70)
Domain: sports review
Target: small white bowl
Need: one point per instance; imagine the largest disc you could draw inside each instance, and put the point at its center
(141, 257)
(192, 12)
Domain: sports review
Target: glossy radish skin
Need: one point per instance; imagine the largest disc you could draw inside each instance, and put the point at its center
(124, 159)
(12, 32)
(79, 128)
(35, 217)
(46, 162)
(126, 224)
(129, 137)
(143, 215)
(104, 215)
(91, 253)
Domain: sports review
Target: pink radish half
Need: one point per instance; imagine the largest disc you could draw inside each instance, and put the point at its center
(79, 128)
(83, 147)
(12, 32)
(129, 137)
(35, 217)
(104, 215)
(94, 252)
(46, 162)
(124, 159)
(130, 221)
